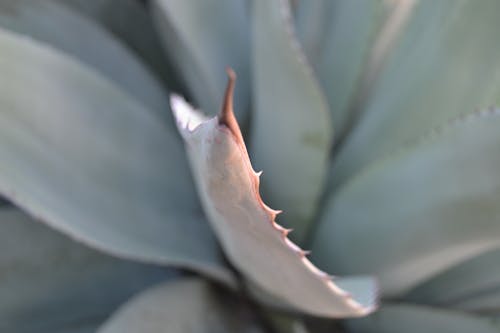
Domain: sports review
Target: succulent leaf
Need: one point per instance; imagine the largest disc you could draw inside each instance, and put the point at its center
(486, 302)
(397, 318)
(446, 63)
(86, 40)
(142, 37)
(291, 127)
(90, 161)
(339, 60)
(51, 284)
(312, 19)
(436, 200)
(180, 307)
(204, 37)
(253, 241)
(466, 285)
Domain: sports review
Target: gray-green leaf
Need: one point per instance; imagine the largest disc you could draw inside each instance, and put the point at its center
(87, 159)
(446, 63)
(185, 306)
(141, 36)
(203, 38)
(291, 127)
(416, 213)
(84, 39)
(49, 283)
(467, 285)
(398, 318)
(339, 48)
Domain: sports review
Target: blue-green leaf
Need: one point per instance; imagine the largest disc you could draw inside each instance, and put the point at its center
(84, 39)
(468, 285)
(87, 159)
(116, 16)
(185, 306)
(398, 318)
(312, 19)
(291, 127)
(446, 63)
(339, 47)
(416, 213)
(51, 284)
(203, 38)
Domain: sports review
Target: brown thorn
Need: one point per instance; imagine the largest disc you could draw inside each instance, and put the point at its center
(226, 116)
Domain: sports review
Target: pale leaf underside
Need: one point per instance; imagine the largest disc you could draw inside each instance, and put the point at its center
(253, 241)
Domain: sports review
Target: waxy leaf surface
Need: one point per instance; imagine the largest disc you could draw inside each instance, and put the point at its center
(246, 227)
(184, 306)
(291, 127)
(84, 39)
(49, 283)
(397, 318)
(89, 160)
(142, 37)
(473, 285)
(202, 38)
(445, 63)
(418, 212)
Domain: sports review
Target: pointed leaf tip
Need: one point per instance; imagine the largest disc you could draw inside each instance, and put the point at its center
(226, 116)
(229, 190)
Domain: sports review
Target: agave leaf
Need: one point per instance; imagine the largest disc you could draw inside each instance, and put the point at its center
(461, 281)
(116, 16)
(397, 318)
(253, 241)
(185, 306)
(88, 160)
(51, 284)
(486, 302)
(467, 285)
(339, 61)
(84, 39)
(446, 63)
(418, 212)
(312, 19)
(202, 38)
(291, 125)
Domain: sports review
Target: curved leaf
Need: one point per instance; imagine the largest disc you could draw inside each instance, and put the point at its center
(88, 160)
(51, 284)
(203, 38)
(82, 38)
(251, 238)
(349, 30)
(399, 318)
(486, 302)
(416, 213)
(464, 284)
(141, 37)
(312, 19)
(291, 127)
(186, 306)
(446, 63)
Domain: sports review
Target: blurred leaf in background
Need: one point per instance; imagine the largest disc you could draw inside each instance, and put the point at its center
(375, 125)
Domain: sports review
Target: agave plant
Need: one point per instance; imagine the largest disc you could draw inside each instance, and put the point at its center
(371, 120)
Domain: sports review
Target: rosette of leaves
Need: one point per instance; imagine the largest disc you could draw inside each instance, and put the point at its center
(127, 210)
